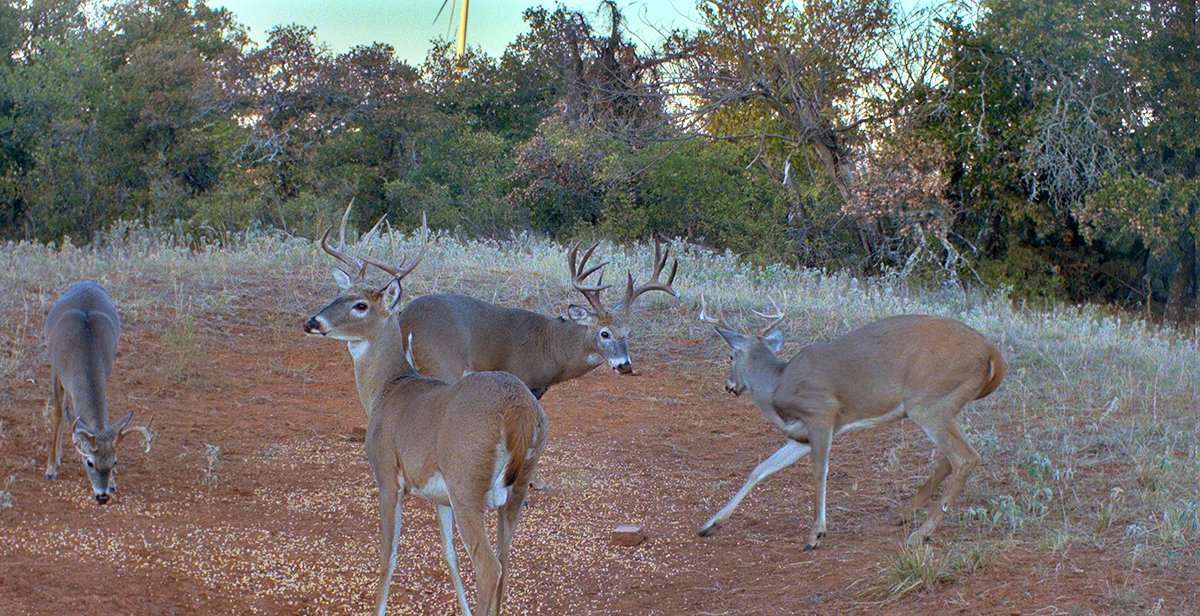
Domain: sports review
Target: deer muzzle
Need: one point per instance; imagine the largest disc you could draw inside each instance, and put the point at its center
(313, 326)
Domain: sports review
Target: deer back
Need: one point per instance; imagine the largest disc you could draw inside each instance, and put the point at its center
(454, 334)
(432, 427)
(81, 335)
(904, 359)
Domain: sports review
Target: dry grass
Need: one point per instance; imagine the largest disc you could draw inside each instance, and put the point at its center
(1094, 437)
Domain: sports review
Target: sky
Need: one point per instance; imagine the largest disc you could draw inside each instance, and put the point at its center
(408, 25)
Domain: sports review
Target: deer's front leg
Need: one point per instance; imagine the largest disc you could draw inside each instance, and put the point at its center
(784, 457)
(821, 440)
(54, 457)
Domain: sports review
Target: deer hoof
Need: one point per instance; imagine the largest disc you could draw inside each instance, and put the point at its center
(814, 542)
(709, 529)
(539, 484)
(51, 475)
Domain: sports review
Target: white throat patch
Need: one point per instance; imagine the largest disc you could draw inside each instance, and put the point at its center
(358, 348)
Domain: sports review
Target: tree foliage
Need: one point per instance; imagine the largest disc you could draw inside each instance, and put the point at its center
(1048, 146)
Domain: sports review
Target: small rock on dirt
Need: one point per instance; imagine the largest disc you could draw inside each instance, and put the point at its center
(627, 535)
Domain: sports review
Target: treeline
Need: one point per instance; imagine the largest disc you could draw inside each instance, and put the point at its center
(1051, 146)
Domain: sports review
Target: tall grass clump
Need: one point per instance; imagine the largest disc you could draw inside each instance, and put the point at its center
(1094, 436)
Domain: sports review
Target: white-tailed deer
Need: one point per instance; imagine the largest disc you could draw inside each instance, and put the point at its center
(81, 336)
(456, 334)
(921, 367)
(466, 447)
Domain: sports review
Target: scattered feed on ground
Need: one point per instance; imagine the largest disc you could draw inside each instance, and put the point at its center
(1086, 502)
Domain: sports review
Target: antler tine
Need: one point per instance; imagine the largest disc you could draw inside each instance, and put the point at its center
(357, 267)
(775, 319)
(580, 272)
(407, 265)
(342, 228)
(704, 318)
(660, 262)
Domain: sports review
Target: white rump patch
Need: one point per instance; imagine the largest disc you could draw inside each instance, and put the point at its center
(497, 496)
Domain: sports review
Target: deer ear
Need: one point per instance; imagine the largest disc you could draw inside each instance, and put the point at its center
(82, 432)
(122, 423)
(82, 429)
(392, 294)
(341, 278)
(579, 314)
(732, 338)
(773, 339)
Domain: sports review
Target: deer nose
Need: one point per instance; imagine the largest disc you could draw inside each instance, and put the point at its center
(311, 326)
(624, 368)
(102, 499)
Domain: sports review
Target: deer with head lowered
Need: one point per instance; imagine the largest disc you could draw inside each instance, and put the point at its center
(456, 334)
(921, 367)
(467, 447)
(81, 334)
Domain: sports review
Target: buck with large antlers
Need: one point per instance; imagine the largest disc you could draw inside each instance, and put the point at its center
(466, 447)
(81, 336)
(456, 334)
(921, 367)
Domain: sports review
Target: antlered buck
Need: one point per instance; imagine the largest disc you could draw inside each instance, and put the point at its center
(921, 367)
(456, 334)
(81, 336)
(467, 447)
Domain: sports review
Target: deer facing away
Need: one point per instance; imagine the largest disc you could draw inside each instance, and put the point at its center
(81, 335)
(466, 447)
(921, 367)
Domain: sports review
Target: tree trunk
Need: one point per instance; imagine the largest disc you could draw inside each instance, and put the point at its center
(1181, 297)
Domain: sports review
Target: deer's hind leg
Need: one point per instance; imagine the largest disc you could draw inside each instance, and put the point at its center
(57, 400)
(472, 527)
(509, 517)
(906, 515)
(446, 521)
(959, 460)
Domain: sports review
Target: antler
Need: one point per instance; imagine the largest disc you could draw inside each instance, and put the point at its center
(358, 269)
(407, 265)
(579, 274)
(147, 434)
(774, 318)
(660, 262)
(704, 318)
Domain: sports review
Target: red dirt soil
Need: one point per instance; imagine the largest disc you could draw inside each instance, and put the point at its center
(286, 523)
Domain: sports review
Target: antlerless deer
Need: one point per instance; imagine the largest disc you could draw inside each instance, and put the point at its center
(466, 447)
(921, 367)
(81, 335)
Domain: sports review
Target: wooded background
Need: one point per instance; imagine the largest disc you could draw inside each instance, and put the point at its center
(1052, 147)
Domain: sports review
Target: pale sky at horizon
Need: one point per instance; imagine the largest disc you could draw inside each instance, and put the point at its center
(408, 25)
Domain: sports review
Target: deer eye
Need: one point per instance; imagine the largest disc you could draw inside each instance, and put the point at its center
(91, 464)
(361, 306)
(604, 334)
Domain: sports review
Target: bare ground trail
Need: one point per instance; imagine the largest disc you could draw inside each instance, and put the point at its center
(285, 522)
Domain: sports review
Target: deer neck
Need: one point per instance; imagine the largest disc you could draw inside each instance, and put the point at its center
(763, 379)
(378, 360)
(87, 392)
(573, 349)
(88, 402)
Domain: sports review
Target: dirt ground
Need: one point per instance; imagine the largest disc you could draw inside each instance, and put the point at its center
(285, 522)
